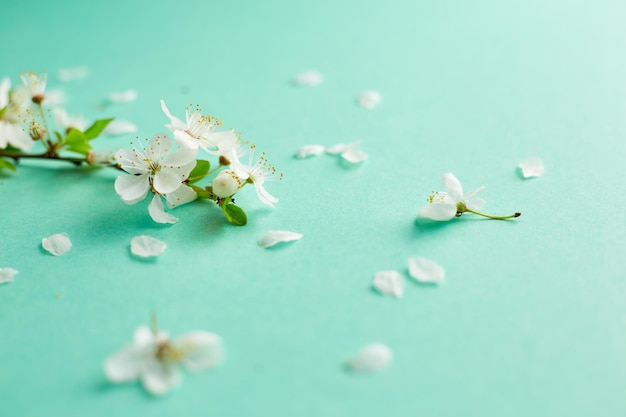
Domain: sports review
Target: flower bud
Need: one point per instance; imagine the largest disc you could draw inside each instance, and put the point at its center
(226, 184)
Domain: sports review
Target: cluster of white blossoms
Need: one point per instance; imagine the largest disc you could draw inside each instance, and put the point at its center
(171, 174)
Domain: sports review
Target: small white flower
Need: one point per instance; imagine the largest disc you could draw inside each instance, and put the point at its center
(274, 237)
(11, 131)
(369, 99)
(71, 74)
(6, 275)
(123, 96)
(57, 244)
(154, 169)
(102, 157)
(444, 205)
(531, 167)
(348, 152)
(67, 122)
(389, 283)
(226, 184)
(371, 358)
(119, 127)
(425, 270)
(155, 359)
(147, 246)
(309, 150)
(257, 175)
(35, 85)
(197, 132)
(310, 78)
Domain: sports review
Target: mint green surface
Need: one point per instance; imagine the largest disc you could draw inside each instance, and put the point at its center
(531, 320)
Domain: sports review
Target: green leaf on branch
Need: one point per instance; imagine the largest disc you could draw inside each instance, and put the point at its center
(235, 214)
(4, 164)
(96, 128)
(199, 172)
(76, 141)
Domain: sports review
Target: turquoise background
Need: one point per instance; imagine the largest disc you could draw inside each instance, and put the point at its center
(531, 320)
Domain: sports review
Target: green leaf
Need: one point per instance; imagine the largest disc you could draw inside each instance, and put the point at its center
(4, 164)
(76, 141)
(234, 214)
(199, 172)
(96, 128)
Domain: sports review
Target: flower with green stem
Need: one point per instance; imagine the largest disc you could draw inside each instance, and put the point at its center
(256, 175)
(445, 205)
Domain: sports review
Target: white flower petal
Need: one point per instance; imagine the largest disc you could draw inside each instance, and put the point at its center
(425, 270)
(70, 74)
(15, 135)
(531, 167)
(132, 188)
(202, 350)
(147, 246)
(180, 157)
(183, 195)
(57, 244)
(310, 78)
(438, 211)
(389, 283)
(453, 186)
(475, 203)
(165, 182)
(158, 146)
(354, 156)
(126, 364)
(371, 358)
(176, 122)
(6, 275)
(369, 99)
(185, 140)
(5, 86)
(264, 196)
(309, 150)
(119, 127)
(159, 377)
(144, 337)
(274, 237)
(123, 96)
(157, 211)
(54, 98)
(341, 147)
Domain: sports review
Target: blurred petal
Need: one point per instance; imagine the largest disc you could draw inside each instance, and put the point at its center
(475, 203)
(126, 364)
(274, 237)
(310, 78)
(57, 244)
(389, 283)
(425, 270)
(371, 358)
(369, 99)
(532, 167)
(201, 350)
(123, 96)
(453, 186)
(354, 156)
(6, 275)
(309, 150)
(146, 246)
(119, 127)
(159, 377)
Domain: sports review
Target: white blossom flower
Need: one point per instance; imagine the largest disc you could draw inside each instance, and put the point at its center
(147, 246)
(102, 157)
(425, 270)
(35, 84)
(67, 122)
(123, 96)
(6, 275)
(197, 132)
(226, 184)
(310, 78)
(274, 237)
(257, 175)
(531, 167)
(348, 152)
(371, 358)
(11, 131)
(444, 205)
(57, 244)
(389, 283)
(155, 359)
(154, 169)
(369, 99)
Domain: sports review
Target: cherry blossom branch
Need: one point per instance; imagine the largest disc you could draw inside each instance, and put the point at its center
(16, 156)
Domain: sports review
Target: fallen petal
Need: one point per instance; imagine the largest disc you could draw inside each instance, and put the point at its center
(369, 99)
(146, 246)
(354, 156)
(342, 147)
(57, 244)
(309, 150)
(425, 270)
(119, 127)
(6, 275)
(274, 237)
(70, 74)
(309, 78)
(203, 350)
(389, 283)
(531, 167)
(123, 96)
(371, 358)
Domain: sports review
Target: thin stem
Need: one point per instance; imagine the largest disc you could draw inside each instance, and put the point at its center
(16, 156)
(494, 217)
(154, 325)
